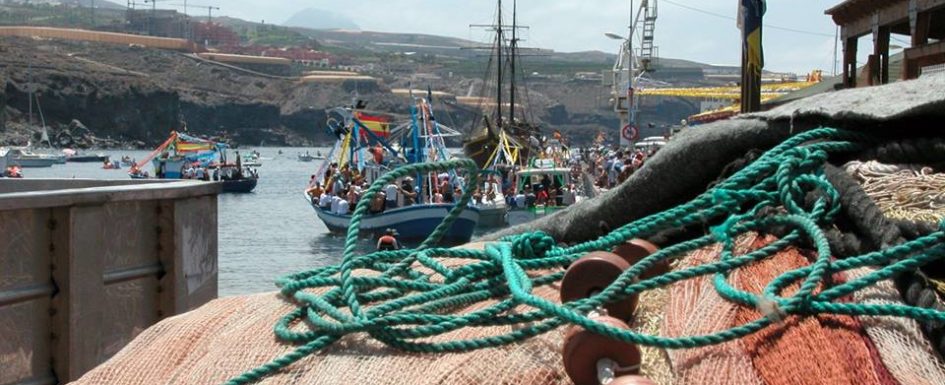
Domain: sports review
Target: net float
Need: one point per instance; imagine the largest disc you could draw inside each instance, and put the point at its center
(593, 359)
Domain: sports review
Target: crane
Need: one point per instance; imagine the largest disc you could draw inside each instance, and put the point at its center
(209, 9)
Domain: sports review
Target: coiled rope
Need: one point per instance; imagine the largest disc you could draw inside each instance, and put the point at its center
(409, 295)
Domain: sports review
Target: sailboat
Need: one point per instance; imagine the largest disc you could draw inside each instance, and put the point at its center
(359, 154)
(496, 130)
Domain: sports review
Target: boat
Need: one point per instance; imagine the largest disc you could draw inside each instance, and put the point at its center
(127, 161)
(361, 145)
(25, 157)
(485, 138)
(306, 157)
(184, 156)
(94, 158)
(236, 179)
(252, 159)
(528, 205)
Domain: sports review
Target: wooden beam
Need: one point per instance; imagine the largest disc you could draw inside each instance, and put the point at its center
(849, 62)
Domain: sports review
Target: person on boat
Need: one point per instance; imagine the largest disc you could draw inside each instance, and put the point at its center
(408, 192)
(390, 195)
(388, 241)
(200, 173)
(377, 203)
(343, 207)
(444, 185)
(324, 201)
(542, 196)
(437, 196)
(354, 194)
(530, 197)
(457, 194)
(315, 192)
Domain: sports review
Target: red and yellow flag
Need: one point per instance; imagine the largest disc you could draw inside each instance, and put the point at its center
(379, 125)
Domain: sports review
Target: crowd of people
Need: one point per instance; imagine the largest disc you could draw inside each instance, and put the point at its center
(342, 187)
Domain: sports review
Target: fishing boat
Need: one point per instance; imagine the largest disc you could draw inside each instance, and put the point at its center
(183, 156)
(363, 140)
(487, 136)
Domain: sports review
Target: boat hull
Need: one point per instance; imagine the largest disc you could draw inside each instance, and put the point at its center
(33, 162)
(520, 216)
(412, 223)
(239, 185)
(491, 217)
(87, 159)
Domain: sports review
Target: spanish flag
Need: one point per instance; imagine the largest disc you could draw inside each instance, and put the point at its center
(379, 125)
(750, 13)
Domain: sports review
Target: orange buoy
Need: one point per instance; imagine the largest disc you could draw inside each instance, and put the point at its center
(591, 274)
(583, 350)
(631, 380)
(635, 250)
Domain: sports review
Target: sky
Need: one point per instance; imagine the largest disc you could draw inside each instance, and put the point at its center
(699, 30)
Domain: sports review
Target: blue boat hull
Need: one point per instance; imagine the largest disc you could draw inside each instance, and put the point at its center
(413, 223)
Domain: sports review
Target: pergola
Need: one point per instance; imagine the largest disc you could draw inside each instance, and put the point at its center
(921, 19)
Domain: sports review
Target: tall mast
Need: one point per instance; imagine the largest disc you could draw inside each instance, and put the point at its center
(499, 64)
(512, 45)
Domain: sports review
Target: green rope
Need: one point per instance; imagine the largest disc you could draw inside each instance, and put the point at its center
(403, 306)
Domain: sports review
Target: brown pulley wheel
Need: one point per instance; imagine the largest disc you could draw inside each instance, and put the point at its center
(631, 380)
(593, 273)
(636, 249)
(583, 349)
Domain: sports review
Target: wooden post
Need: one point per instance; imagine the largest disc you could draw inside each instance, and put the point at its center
(919, 27)
(881, 53)
(849, 62)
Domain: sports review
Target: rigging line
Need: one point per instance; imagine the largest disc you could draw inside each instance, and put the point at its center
(719, 15)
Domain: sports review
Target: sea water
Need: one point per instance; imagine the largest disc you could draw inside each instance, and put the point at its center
(263, 235)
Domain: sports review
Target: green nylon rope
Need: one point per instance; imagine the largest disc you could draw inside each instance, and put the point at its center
(403, 306)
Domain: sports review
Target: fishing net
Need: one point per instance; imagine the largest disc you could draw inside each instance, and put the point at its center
(756, 297)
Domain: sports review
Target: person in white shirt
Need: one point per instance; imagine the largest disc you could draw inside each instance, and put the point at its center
(324, 201)
(335, 201)
(342, 207)
(391, 190)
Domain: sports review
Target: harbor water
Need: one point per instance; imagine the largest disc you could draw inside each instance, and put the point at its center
(262, 235)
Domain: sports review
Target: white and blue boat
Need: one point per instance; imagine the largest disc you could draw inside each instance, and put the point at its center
(360, 136)
(412, 223)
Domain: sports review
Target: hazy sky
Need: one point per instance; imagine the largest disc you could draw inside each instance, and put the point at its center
(577, 25)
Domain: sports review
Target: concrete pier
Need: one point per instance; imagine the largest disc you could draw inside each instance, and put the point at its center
(86, 265)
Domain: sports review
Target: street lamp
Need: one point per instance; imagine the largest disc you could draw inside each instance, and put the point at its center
(614, 36)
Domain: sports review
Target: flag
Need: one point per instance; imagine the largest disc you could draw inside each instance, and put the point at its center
(750, 13)
(379, 125)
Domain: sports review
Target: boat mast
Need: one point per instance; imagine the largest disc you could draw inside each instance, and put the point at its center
(512, 45)
(499, 65)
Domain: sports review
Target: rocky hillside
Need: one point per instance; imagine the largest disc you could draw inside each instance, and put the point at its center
(114, 95)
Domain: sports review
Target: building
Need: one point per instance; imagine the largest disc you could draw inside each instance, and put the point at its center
(922, 20)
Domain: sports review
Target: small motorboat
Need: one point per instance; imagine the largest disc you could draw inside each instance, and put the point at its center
(87, 158)
(306, 157)
(127, 161)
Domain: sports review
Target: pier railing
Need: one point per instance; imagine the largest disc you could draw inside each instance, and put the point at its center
(87, 265)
